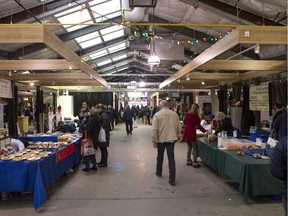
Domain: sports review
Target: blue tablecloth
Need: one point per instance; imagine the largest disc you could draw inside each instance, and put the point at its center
(36, 175)
(44, 138)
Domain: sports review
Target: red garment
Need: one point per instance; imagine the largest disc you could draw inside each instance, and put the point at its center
(192, 122)
(215, 124)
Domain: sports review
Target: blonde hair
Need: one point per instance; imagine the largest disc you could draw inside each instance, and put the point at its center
(194, 108)
(220, 115)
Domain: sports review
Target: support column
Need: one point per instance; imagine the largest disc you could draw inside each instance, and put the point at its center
(13, 111)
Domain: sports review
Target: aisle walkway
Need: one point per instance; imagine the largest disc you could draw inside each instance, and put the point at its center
(129, 187)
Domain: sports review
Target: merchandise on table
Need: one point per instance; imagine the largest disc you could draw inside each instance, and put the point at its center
(232, 143)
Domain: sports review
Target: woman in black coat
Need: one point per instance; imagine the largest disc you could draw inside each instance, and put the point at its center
(93, 128)
(105, 124)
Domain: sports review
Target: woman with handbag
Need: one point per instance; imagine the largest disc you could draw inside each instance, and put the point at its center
(93, 127)
(104, 143)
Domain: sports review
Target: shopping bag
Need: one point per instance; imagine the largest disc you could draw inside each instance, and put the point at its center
(102, 135)
(87, 147)
(135, 125)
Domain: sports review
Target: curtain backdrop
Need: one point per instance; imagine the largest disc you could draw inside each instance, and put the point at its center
(278, 93)
(248, 118)
(222, 96)
(91, 98)
(237, 86)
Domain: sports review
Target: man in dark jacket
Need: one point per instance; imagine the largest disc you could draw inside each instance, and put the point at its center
(128, 118)
(105, 124)
(278, 167)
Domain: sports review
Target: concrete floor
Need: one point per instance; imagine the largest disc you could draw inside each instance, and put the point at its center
(129, 187)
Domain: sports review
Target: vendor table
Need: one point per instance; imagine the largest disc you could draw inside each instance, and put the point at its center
(40, 138)
(20, 176)
(253, 175)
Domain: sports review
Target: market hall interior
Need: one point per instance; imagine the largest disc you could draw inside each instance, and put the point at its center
(129, 186)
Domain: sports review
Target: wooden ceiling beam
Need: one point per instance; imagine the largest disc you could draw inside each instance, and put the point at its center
(57, 45)
(260, 65)
(21, 34)
(221, 46)
(47, 76)
(262, 34)
(37, 64)
(255, 74)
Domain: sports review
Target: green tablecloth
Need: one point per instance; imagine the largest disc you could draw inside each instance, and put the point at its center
(252, 174)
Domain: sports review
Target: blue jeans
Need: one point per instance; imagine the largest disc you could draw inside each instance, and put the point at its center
(169, 146)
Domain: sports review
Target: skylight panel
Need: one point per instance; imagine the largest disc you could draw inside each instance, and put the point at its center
(104, 62)
(99, 54)
(107, 8)
(87, 37)
(111, 29)
(90, 42)
(113, 35)
(117, 58)
(92, 3)
(117, 47)
(77, 17)
(121, 69)
(73, 28)
(106, 17)
(65, 12)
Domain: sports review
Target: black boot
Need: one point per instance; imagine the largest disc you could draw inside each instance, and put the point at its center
(86, 170)
(94, 167)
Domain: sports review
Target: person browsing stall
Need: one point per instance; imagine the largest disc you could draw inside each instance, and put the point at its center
(226, 124)
(192, 123)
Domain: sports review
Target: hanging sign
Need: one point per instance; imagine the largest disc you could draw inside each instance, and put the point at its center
(5, 89)
(259, 98)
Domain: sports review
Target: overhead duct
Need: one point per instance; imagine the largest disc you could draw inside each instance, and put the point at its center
(132, 15)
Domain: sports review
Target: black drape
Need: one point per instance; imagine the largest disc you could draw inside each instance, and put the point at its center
(278, 93)
(91, 98)
(248, 118)
(236, 87)
(13, 111)
(222, 97)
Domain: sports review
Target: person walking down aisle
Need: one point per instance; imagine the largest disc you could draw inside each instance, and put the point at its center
(105, 124)
(192, 123)
(128, 118)
(93, 128)
(166, 130)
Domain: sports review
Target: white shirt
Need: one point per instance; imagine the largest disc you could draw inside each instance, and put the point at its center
(17, 145)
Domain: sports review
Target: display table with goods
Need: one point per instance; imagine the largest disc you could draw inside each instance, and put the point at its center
(250, 171)
(40, 137)
(38, 167)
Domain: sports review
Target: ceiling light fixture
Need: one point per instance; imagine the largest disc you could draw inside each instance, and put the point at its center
(187, 77)
(257, 49)
(142, 84)
(153, 59)
(202, 83)
(10, 73)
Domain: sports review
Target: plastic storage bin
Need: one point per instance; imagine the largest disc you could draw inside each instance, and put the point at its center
(253, 151)
(264, 137)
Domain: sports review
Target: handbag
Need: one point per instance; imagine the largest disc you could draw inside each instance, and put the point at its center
(102, 135)
(87, 147)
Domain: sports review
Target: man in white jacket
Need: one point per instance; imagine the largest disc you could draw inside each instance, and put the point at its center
(166, 130)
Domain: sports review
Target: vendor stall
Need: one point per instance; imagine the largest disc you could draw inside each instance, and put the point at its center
(39, 174)
(252, 174)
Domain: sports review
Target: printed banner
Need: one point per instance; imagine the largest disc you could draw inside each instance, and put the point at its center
(5, 89)
(259, 98)
(63, 153)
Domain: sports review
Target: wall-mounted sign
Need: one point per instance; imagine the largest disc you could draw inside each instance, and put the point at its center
(259, 98)
(5, 89)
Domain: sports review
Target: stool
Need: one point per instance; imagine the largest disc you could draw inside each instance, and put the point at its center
(145, 120)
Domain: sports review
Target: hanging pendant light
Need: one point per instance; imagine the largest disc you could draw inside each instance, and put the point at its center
(153, 59)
